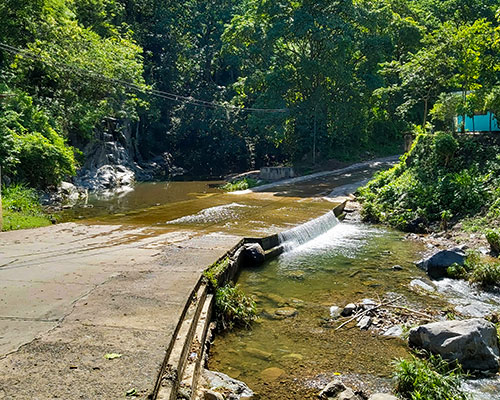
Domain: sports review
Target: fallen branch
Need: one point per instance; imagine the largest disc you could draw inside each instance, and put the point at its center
(367, 311)
(412, 311)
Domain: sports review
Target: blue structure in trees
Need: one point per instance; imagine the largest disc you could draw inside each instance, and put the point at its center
(478, 123)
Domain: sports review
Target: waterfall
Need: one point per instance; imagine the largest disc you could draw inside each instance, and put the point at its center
(301, 234)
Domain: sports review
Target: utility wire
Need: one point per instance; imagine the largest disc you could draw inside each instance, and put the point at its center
(158, 93)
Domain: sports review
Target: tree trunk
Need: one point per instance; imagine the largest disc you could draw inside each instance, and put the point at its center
(426, 105)
(314, 137)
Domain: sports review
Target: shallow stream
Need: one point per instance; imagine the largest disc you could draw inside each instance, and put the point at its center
(293, 358)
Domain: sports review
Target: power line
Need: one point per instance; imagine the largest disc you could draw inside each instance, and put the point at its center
(133, 86)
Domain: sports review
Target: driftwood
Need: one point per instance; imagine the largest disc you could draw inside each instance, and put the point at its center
(359, 314)
(412, 311)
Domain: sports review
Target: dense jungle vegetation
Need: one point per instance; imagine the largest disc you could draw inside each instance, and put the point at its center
(260, 81)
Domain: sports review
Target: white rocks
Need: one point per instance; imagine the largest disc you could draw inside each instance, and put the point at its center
(364, 322)
(335, 311)
(419, 284)
(472, 342)
(395, 331)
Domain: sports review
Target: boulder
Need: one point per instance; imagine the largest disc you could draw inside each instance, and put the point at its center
(252, 254)
(472, 342)
(348, 394)
(436, 265)
(218, 380)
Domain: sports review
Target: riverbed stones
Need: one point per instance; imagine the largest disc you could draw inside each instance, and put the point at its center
(335, 311)
(421, 285)
(436, 265)
(218, 380)
(271, 374)
(472, 342)
(364, 322)
(349, 309)
(332, 389)
(394, 331)
(286, 312)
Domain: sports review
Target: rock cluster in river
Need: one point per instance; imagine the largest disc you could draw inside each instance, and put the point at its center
(386, 317)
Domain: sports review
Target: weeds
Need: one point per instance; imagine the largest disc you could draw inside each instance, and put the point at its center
(22, 209)
(428, 379)
(233, 308)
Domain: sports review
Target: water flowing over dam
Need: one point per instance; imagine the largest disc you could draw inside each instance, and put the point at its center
(302, 234)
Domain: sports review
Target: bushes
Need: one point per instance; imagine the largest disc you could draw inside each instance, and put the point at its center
(440, 179)
(242, 184)
(485, 274)
(31, 151)
(493, 238)
(428, 379)
(21, 209)
(233, 308)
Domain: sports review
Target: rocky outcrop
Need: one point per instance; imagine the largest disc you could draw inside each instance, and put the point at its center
(436, 265)
(66, 195)
(472, 342)
(112, 161)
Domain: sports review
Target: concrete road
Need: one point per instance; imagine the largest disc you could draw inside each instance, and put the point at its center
(72, 293)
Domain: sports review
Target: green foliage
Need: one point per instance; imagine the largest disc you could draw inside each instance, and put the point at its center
(32, 151)
(486, 274)
(233, 308)
(21, 209)
(476, 271)
(493, 238)
(442, 177)
(428, 379)
(242, 184)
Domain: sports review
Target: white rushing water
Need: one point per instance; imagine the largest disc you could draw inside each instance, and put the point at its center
(301, 234)
(212, 214)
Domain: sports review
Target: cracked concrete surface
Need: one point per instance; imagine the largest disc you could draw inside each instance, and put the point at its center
(70, 293)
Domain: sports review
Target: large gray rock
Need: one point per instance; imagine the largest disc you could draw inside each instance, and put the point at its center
(218, 380)
(252, 254)
(436, 265)
(332, 389)
(472, 342)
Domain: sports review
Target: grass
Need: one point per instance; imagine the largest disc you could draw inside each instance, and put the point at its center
(213, 273)
(242, 184)
(22, 209)
(233, 308)
(429, 378)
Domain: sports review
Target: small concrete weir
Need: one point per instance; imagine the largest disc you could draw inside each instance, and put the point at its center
(301, 234)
